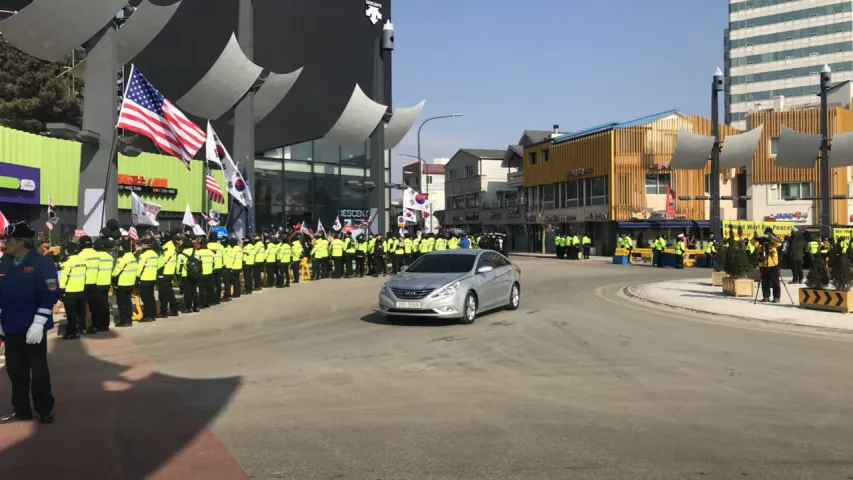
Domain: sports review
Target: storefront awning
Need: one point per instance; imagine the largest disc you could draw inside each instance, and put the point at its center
(664, 224)
(634, 224)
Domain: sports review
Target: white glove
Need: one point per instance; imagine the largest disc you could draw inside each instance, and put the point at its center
(36, 332)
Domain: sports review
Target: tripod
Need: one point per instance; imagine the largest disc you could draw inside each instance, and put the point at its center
(781, 283)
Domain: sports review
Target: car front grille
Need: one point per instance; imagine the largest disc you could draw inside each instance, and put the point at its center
(410, 294)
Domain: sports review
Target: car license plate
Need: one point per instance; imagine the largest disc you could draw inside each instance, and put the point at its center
(409, 305)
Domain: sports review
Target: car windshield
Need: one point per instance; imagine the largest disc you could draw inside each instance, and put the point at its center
(443, 264)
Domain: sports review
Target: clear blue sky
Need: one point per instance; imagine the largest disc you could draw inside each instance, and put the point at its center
(511, 65)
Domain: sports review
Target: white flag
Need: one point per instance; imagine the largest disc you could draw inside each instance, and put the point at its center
(320, 227)
(216, 153)
(337, 225)
(143, 212)
(415, 201)
(189, 220)
(409, 216)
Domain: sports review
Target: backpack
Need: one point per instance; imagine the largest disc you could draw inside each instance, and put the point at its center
(193, 266)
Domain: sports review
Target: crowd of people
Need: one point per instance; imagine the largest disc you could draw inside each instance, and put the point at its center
(208, 270)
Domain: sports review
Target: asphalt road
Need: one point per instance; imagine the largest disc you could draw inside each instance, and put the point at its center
(577, 384)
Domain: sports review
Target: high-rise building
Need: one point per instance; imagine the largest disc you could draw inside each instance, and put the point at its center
(775, 49)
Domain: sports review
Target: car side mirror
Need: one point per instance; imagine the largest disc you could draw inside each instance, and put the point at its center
(485, 269)
(404, 268)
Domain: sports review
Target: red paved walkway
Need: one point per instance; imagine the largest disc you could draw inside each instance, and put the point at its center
(118, 420)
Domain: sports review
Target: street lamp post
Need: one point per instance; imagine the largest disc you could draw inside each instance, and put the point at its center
(825, 187)
(716, 221)
(421, 159)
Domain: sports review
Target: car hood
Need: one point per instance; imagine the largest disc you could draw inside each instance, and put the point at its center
(423, 281)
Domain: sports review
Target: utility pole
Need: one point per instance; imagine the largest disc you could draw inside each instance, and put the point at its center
(825, 187)
(716, 221)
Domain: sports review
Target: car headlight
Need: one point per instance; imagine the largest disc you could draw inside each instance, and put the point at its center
(447, 290)
(384, 288)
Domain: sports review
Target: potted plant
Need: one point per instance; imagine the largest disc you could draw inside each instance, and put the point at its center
(737, 266)
(719, 274)
(817, 296)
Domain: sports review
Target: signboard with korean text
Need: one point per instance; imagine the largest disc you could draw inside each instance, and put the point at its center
(141, 184)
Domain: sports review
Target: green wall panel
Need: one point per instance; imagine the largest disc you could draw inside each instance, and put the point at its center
(58, 161)
(188, 182)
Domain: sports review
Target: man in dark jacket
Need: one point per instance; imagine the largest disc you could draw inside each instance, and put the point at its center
(796, 250)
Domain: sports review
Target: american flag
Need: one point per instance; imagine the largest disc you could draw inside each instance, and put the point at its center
(146, 111)
(132, 234)
(214, 193)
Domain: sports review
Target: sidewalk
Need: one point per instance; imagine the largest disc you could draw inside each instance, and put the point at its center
(697, 295)
(117, 419)
(554, 257)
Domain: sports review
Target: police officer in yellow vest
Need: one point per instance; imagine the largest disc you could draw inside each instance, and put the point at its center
(379, 264)
(72, 288)
(813, 248)
(168, 268)
(398, 253)
(284, 257)
(559, 244)
(236, 267)
(658, 247)
(296, 251)
(260, 262)
(271, 262)
(148, 264)
(125, 275)
(371, 251)
(587, 244)
(225, 273)
(407, 247)
(93, 262)
(350, 247)
(320, 257)
(768, 250)
(205, 285)
(336, 250)
(680, 249)
(711, 251)
(218, 265)
(248, 265)
(360, 255)
(103, 246)
(188, 278)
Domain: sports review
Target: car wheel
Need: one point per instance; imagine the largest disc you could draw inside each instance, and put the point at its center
(514, 297)
(469, 310)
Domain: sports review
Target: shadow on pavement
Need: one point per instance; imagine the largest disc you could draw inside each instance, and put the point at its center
(117, 419)
(377, 319)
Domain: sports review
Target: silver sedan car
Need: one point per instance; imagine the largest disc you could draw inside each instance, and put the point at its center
(456, 284)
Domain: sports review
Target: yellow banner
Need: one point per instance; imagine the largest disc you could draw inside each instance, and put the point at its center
(842, 233)
(753, 229)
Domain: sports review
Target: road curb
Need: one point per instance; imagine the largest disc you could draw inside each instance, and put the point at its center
(628, 292)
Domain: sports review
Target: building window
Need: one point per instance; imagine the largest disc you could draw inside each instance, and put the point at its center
(656, 183)
(774, 145)
(472, 200)
(571, 189)
(532, 156)
(459, 202)
(429, 179)
(469, 171)
(595, 191)
(451, 175)
(796, 190)
(546, 155)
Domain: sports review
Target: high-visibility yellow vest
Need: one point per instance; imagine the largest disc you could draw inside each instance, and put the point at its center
(168, 261)
(336, 247)
(296, 251)
(218, 252)
(284, 253)
(149, 262)
(206, 257)
(126, 270)
(237, 263)
(271, 253)
(249, 254)
(90, 257)
(260, 252)
(72, 279)
(105, 269)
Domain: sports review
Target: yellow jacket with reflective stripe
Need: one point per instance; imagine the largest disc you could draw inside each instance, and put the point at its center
(260, 252)
(271, 253)
(284, 253)
(248, 254)
(237, 252)
(105, 269)
(72, 278)
(126, 270)
(148, 262)
(90, 257)
(218, 251)
(206, 257)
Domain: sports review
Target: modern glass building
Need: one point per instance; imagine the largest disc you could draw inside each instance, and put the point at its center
(314, 181)
(775, 49)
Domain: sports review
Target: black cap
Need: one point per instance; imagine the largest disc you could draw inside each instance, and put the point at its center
(19, 230)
